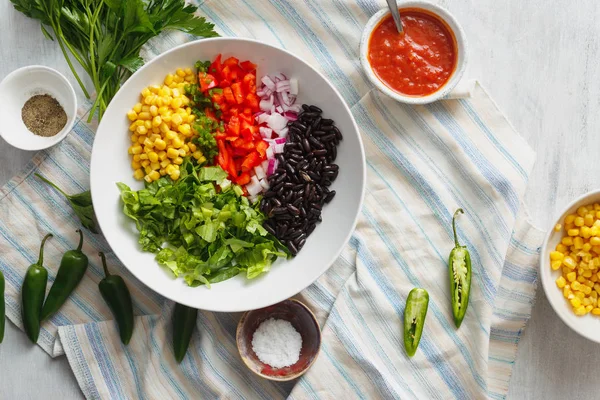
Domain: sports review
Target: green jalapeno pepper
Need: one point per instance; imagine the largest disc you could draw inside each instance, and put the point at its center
(184, 323)
(460, 276)
(117, 297)
(414, 319)
(33, 292)
(2, 307)
(72, 268)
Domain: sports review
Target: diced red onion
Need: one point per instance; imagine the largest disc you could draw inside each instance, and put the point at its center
(260, 92)
(268, 82)
(266, 104)
(265, 183)
(270, 152)
(279, 77)
(294, 86)
(297, 108)
(279, 140)
(265, 132)
(260, 172)
(284, 132)
(282, 86)
(272, 166)
(212, 84)
(290, 116)
(254, 188)
(277, 122)
(265, 165)
(279, 148)
(279, 109)
(262, 118)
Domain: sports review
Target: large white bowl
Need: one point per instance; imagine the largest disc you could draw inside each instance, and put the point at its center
(588, 325)
(111, 164)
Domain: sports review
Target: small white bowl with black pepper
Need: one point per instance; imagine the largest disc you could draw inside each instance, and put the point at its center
(39, 107)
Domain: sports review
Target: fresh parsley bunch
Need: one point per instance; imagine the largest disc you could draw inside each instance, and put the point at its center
(105, 36)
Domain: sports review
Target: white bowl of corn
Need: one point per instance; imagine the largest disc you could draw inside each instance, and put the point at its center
(570, 266)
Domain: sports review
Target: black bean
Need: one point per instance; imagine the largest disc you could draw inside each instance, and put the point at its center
(279, 179)
(269, 194)
(295, 156)
(316, 206)
(335, 174)
(315, 109)
(297, 151)
(281, 159)
(280, 192)
(298, 202)
(326, 128)
(292, 161)
(309, 114)
(321, 152)
(313, 175)
(303, 212)
(301, 127)
(338, 134)
(328, 138)
(284, 229)
(319, 133)
(305, 145)
(305, 176)
(310, 229)
(300, 244)
(282, 216)
(290, 169)
(290, 145)
(276, 202)
(277, 186)
(331, 167)
(279, 210)
(298, 187)
(295, 129)
(295, 234)
(299, 238)
(289, 197)
(270, 229)
(326, 182)
(315, 142)
(329, 196)
(309, 131)
(327, 121)
(316, 123)
(292, 248)
(288, 185)
(333, 153)
(305, 107)
(292, 137)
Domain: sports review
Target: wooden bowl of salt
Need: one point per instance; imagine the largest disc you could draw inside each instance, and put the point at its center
(279, 342)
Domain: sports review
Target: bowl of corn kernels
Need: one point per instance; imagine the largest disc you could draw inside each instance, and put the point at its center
(570, 266)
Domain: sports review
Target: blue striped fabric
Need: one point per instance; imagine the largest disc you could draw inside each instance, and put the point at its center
(423, 163)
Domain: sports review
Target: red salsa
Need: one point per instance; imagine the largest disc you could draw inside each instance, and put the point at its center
(417, 62)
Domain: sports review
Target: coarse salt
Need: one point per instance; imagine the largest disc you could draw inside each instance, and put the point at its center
(277, 343)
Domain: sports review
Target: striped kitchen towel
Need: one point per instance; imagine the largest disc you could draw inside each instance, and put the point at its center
(423, 162)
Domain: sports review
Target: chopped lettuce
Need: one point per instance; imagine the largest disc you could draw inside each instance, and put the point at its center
(200, 229)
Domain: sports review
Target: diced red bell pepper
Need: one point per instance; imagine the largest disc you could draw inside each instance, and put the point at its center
(261, 148)
(224, 83)
(249, 82)
(237, 92)
(216, 67)
(229, 97)
(206, 81)
(248, 66)
(210, 114)
(231, 61)
(252, 101)
(217, 98)
(243, 179)
(250, 161)
(233, 126)
(235, 73)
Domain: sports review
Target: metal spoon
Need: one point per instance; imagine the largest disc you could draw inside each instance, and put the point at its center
(395, 14)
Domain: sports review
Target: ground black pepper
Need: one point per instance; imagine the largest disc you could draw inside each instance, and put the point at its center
(43, 115)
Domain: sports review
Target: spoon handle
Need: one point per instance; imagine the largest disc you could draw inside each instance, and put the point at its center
(395, 14)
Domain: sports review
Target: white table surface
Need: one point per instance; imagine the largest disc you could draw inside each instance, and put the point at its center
(539, 61)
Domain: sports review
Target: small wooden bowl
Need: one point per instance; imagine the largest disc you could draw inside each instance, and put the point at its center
(303, 321)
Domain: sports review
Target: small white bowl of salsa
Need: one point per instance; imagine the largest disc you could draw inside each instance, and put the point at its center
(421, 65)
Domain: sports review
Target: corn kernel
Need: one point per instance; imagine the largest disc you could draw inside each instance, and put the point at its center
(185, 129)
(178, 161)
(579, 222)
(176, 119)
(579, 310)
(578, 242)
(177, 143)
(556, 255)
(596, 311)
(165, 163)
(172, 153)
(160, 144)
(569, 262)
(170, 135)
(555, 264)
(571, 276)
(177, 102)
(579, 294)
(175, 175)
(567, 241)
(147, 169)
(144, 115)
(138, 174)
(156, 121)
(561, 282)
(586, 232)
(573, 232)
(581, 211)
(575, 302)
